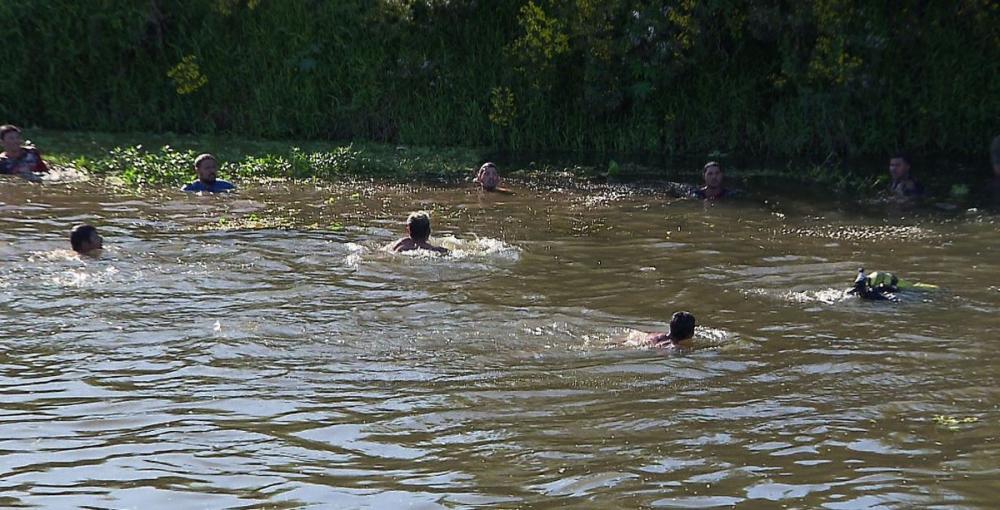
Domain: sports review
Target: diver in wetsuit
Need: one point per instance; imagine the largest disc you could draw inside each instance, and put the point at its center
(865, 289)
(883, 286)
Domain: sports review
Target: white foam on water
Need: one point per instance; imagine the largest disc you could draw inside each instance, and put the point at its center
(476, 249)
(827, 296)
(59, 174)
(480, 248)
(84, 278)
(354, 253)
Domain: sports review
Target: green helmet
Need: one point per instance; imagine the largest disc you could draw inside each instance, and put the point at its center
(883, 278)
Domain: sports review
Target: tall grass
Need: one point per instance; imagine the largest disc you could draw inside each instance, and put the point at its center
(762, 78)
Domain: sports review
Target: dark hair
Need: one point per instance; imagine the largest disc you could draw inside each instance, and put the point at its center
(711, 164)
(903, 156)
(202, 158)
(419, 224)
(8, 128)
(681, 326)
(80, 235)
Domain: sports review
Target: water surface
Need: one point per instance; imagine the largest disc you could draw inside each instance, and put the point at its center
(262, 351)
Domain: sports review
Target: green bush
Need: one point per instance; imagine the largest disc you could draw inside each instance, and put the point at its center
(761, 78)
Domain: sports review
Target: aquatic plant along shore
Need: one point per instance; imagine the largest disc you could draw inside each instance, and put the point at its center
(147, 160)
(674, 77)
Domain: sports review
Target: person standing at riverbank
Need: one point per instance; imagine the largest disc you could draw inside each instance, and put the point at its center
(17, 158)
(713, 188)
(903, 186)
(418, 232)
(207, 169)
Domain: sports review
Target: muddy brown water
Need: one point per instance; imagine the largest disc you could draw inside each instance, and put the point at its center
(260, 350)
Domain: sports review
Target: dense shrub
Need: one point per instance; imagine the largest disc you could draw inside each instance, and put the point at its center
(677, 77)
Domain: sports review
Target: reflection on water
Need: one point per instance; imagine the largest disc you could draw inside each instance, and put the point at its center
(264, 350)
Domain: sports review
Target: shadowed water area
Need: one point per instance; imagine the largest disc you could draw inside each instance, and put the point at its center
(262, 351)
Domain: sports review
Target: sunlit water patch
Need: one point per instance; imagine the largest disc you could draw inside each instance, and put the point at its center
(265, 350)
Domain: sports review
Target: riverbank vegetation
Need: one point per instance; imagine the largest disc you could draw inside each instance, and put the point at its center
(143, 160)
(760, 79)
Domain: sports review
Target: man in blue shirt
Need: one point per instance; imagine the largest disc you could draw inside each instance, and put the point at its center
(207, 168)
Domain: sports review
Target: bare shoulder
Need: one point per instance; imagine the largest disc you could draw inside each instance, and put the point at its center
(404, 244)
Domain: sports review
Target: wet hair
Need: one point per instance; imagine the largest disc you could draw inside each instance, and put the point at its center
(202, 158)
(81, 235)
(710, 164)
(419, 225)
(903, 156)
(8, 128)
(681, 326)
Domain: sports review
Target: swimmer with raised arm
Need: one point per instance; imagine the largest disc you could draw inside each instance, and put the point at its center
(418, 232)
(681, 332)
(86, 241)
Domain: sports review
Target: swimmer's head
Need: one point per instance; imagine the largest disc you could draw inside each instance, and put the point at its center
(207, 168)
(418, 226)
(681, 326)
(488, 176)
(899, 166)
(85, 240)
(713, 174)
(10, 135)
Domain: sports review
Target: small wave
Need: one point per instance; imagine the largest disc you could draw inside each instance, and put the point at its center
(477, 249)
(480, 247)
(828, 296)
(53, 256)
(84, 278)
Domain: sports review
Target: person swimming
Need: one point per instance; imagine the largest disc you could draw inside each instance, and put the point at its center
(883, 286)
(207, 169)
(865, 288)
(682, 326)
(17, 158)
(489, 178)
(418, 231)
(86, 241)
(713, 188)
(903, 186)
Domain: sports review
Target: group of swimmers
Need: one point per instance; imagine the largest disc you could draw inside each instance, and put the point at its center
(26, 161)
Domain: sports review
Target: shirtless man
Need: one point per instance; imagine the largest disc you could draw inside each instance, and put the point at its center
(489, 178)
(418, 231)
(680, 334)
(903, 185)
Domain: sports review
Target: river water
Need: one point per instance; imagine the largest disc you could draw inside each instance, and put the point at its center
(261, 350)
